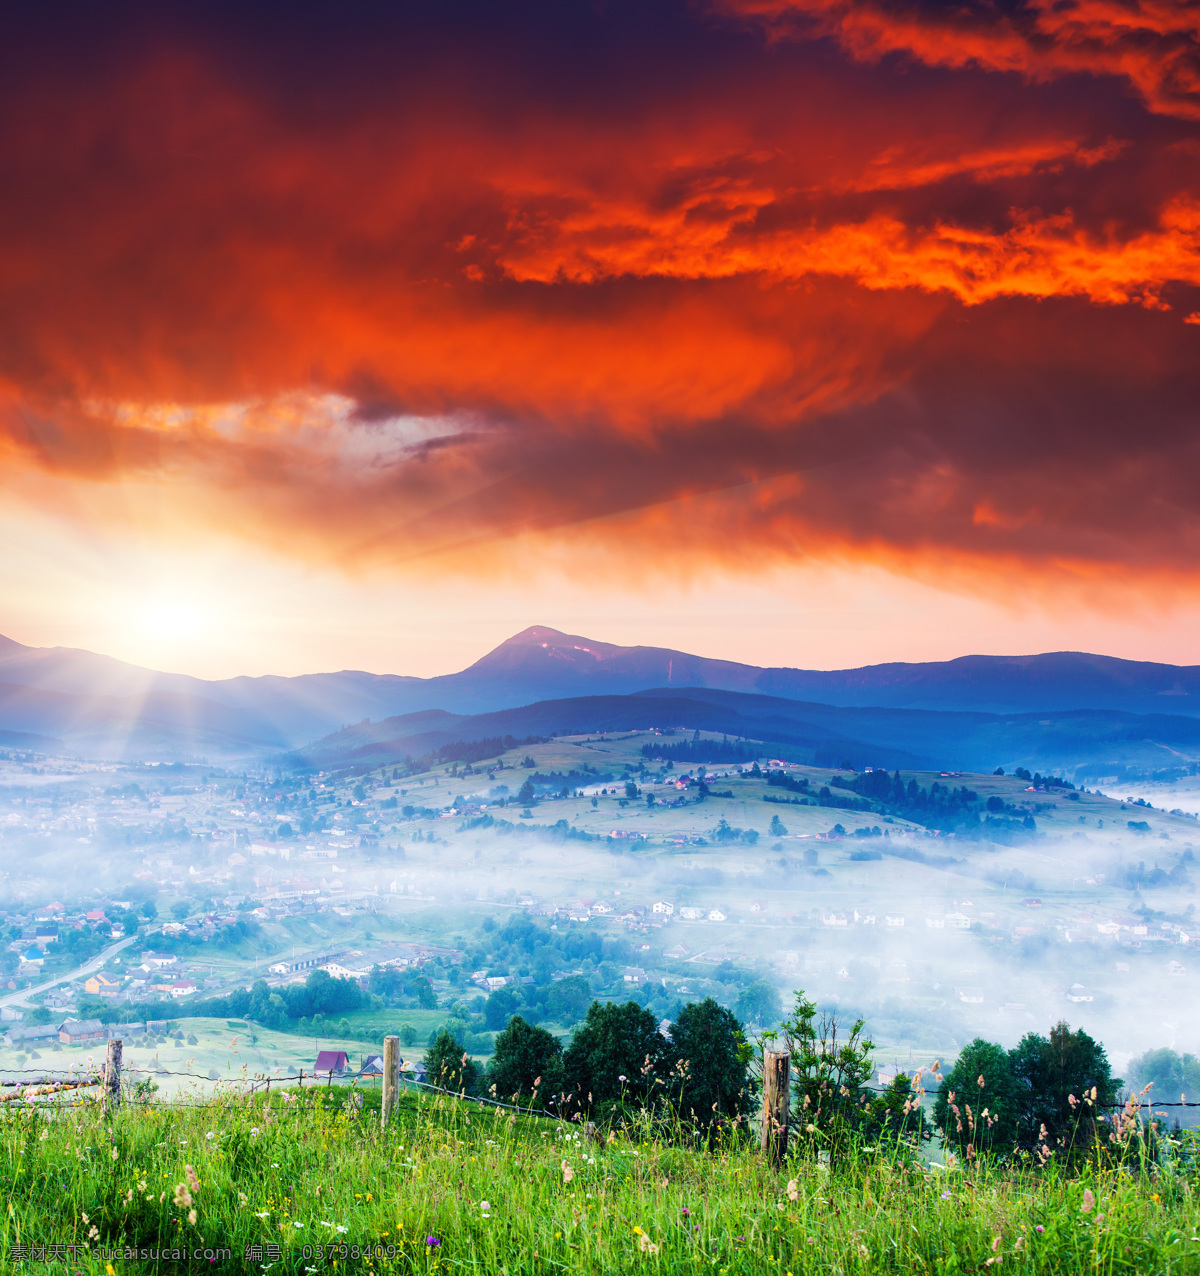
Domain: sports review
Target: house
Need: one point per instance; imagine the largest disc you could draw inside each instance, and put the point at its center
(102, 985)
(688, 913)
(160, 960)
(663, 907)
(893, 921)
(1077, 993)
(183, 988)
(715, 915)
(10, 1014)
(372, 1067)
(338, 971)
(635, 975)
(47, 933)
(279, 967)
(95, 918)
(75, 1032)
(973, 996)
(335, 1062)
(678, 953)
(33, 1035)
(33, 957)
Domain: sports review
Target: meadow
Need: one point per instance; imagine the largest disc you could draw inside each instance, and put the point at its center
(306, 1181)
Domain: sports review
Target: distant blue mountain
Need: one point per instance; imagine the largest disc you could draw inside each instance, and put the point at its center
(103, 707)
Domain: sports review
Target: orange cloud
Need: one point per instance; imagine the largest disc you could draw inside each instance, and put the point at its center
(1153, 44)
(575, 277)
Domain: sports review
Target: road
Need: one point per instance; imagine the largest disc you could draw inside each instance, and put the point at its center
(21, 998)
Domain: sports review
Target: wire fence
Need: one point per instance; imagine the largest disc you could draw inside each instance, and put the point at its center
(247, 1085)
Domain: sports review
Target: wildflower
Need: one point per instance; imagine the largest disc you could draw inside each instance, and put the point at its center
(254, 1132)
(622, 1077)
(192, 1217)
(1039, 1228)
(793, 1190)
(209, 1135)
(945, 1196)
(243, 1198)
(182, 1198)
(646, 1245)
(85, 1218)
(432, 1242)
(567, 1173)
(192, 1179)
(114, 1153)
(93, 1233)
(995, 1243)
(296, 1223)
(1089, 1201)
(263, 1214)
(484, 1207)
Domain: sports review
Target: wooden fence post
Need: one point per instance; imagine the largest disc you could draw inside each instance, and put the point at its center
(391, 1078)
(112, 1077)
(777, 1070)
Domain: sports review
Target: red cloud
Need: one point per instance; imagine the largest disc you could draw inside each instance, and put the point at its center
(634, 285)
(1153, 44)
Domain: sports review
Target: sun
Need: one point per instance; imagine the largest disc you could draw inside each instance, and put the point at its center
(173, 618)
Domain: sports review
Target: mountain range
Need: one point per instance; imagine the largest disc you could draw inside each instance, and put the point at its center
(1056, 705)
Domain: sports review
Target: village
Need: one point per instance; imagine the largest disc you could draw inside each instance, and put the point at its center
(689, 882)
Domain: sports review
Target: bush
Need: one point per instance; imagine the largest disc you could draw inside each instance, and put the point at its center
(407, 1034)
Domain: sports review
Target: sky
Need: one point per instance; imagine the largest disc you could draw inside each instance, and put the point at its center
(791, 331)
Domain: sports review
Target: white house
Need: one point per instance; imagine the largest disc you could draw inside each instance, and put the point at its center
(691, 914)
(663, 907)
(715, 915)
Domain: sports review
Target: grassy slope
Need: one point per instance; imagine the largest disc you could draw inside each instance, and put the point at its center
(311, 1173)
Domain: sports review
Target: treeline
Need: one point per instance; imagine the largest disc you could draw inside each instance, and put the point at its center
(942, 807)
(616, 1063)
(479, 750)
(1045, 1097)
(320, 994)
(695, 751)
(1043, 1101)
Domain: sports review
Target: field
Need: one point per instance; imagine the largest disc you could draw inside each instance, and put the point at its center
(455, 1187)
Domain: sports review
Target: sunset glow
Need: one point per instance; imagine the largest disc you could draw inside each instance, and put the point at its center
(622, 311)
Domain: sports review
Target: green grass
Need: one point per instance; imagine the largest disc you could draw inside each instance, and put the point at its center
(296, 1172)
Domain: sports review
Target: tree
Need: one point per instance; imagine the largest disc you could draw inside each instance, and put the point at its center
(830, 1072)
(707, 1056)
(778, 828)
(499, 1008)
(614, 1042)
(422, 989)
(525, 792)
(407, 1034)
(447, 1065)
(526, 1062)
(180, 909)
(759, 1003)
(631, 790)
(981, 1117)
(1063, 1082)
(567, 1001)
(1169, 1073)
